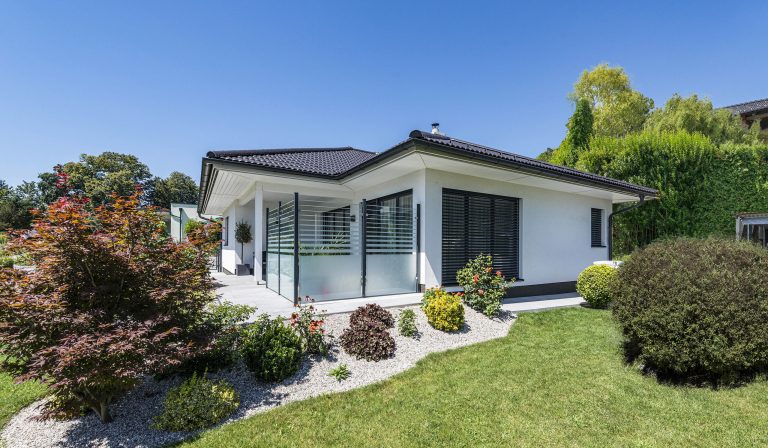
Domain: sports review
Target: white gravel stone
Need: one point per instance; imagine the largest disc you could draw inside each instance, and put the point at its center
(133, 413)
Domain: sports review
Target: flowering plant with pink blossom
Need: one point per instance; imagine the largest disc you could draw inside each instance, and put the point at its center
(483, 288)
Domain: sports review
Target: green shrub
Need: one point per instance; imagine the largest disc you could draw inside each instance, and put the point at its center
(6, 262)
(372, 311)
(406, 323)
(271, 349)
(695, 310)
(367, 338)
(197, 403)
(341, 372)
(483, 287)
(430, 294)
(222, 324)
(444, 311)
(594, 283)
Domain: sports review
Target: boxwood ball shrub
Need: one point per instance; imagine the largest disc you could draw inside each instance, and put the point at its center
(197, 403)
(271, 349)
(444, 311)
(695, 310)
(594, 283)
(367, 338)
(372, 311)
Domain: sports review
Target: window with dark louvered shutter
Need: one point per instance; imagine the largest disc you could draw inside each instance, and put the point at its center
(597, 227)
(475, 223)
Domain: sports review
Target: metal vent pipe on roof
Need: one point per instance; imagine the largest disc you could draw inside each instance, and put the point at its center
(436, 129)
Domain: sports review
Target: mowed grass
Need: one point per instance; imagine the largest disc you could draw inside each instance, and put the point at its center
(13, 397)
(557, 379)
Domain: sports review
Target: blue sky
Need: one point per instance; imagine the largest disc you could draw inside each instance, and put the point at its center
(169, 81)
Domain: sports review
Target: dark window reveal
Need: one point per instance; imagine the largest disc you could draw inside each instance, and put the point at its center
(475, 223)
(597, 227)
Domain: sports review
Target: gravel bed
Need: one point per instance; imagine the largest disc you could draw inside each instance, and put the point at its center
(133, 413)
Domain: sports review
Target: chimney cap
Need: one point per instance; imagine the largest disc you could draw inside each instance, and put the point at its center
(436, 128)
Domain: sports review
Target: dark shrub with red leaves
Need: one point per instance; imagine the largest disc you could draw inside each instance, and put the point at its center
(372, 311)
(111, 299)
(367, 336)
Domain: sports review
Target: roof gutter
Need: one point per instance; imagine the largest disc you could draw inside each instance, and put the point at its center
(610, 223)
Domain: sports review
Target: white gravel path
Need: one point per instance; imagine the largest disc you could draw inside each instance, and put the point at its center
(133, 413)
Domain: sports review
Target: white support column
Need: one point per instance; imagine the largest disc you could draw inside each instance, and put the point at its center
(259, 226)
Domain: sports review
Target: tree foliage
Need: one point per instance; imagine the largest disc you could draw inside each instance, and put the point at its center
(580, 130)
(15, 208)
(698, 115)
(176, 188)
(617, 108)
(701, 185)
(112, 299)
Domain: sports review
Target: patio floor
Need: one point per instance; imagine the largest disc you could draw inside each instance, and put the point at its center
(244, 290)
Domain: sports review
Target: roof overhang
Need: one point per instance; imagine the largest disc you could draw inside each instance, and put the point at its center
(227, 181)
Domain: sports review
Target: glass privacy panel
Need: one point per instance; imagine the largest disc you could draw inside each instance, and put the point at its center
(329, 249)
(280, 267)
(390, 252)
(286, 250)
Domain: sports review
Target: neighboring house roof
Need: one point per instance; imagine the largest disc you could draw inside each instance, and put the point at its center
(749, 107)
(337, 163)
(323, 161)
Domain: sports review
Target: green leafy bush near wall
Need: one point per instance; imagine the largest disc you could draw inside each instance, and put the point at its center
(197, 403)
(701, 185)
(271, 349)
(594, 284)
(444, 311)
(695, 310)
(484, 287)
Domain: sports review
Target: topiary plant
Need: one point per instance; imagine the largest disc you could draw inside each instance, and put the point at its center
(368, 339)
(406, 323)
(594, 283)
(372, 311)
(695, 310)
(271, 349)
(197, 403)
(483, 287)
(444, 311)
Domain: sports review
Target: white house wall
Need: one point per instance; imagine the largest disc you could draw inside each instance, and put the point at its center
(230, 253)
(555, 229)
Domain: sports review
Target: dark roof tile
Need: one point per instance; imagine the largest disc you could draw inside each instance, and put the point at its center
(322, 161)
(749, 106)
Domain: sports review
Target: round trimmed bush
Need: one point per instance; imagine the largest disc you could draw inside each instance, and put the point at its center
(444, 311)
(367, 338)
(271, 349)
(197, 403)
(372, 311)
(695, 310)
(594, 284)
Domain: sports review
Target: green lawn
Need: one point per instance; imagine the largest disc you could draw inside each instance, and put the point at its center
(13, 397)
(557, 380)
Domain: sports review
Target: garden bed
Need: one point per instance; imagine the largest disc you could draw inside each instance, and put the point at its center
(133, 413)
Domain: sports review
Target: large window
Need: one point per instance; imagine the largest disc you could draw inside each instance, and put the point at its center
(475, 223)
(597, 227)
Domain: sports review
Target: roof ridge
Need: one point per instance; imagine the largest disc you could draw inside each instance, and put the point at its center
(745, 102)
(268, 151)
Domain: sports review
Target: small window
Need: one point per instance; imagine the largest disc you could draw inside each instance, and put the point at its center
(225, 231)
(597, 227)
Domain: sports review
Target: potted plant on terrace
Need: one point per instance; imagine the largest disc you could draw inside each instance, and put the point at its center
(243, 236)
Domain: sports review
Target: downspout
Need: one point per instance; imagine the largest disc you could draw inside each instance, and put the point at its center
(610, 223)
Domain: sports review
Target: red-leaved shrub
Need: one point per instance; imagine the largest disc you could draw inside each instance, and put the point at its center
(110, 300)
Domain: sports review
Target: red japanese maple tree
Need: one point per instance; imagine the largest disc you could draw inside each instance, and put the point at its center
(112, 298)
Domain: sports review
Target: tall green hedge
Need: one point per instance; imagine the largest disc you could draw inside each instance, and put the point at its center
(701, 185)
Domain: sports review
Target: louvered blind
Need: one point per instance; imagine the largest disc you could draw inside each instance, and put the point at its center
(597, 227)
(475, 223)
